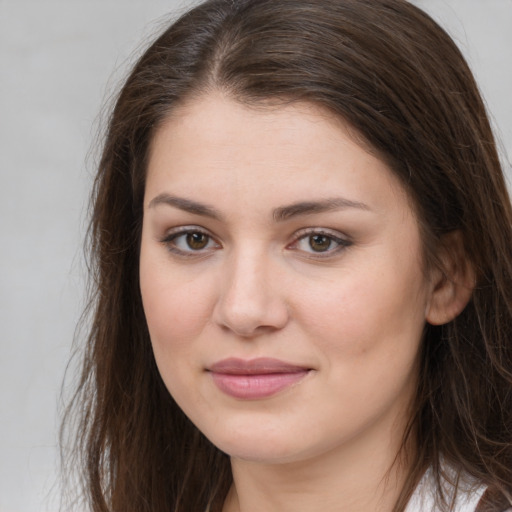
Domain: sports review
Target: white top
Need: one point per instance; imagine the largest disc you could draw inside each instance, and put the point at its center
(424, 497)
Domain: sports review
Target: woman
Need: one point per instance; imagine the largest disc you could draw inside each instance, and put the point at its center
(302, 271)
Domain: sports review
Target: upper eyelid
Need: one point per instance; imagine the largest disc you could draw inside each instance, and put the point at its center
(171, 234)
(297, 235)
(342, 241)
(187, 229)
(169, 238)
(334, 233)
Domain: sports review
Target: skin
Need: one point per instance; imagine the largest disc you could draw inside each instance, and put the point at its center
(256, 286)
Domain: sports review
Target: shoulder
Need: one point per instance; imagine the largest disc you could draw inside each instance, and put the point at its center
(469, 496)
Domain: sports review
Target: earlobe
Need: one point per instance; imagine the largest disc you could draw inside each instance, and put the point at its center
(452, 283)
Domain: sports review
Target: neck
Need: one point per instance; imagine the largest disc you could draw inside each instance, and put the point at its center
(360, 477)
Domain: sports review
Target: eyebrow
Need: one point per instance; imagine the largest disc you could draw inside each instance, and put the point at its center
(186, 205)
(280, 214)
(312, 207)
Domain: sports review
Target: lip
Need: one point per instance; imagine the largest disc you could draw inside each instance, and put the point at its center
(255, 378)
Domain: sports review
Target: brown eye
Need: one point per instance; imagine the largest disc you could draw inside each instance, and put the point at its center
(320, 243)
(197, 241)
(190, 242)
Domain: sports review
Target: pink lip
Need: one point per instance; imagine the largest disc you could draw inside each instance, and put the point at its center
(255, 378)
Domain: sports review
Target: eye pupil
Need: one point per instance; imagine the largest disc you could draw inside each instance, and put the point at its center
(319, 243)
(197, 240)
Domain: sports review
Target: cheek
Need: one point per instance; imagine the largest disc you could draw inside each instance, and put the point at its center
(176, 313)
(366, 309)
(176, 310)
(368, 330)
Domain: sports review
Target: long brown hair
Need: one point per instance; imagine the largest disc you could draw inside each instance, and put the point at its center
(397, 78)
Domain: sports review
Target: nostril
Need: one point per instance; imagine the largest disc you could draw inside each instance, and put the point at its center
(251, 316)
(250, 302)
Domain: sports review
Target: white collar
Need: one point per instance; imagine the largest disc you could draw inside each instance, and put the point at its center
(424, 497)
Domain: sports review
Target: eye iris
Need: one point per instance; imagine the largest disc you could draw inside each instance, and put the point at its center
(319, 243)
(197, 240)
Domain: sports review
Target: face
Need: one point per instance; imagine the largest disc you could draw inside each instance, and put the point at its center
(282, 280)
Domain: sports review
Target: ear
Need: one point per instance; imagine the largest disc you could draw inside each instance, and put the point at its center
(452, 283)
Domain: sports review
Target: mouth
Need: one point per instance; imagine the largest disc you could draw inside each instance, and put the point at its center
(256, 378)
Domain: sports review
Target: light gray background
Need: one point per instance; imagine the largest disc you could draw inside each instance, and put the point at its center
(59, 62)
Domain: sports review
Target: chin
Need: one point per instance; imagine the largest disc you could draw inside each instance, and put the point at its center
(267, 445)
(264, 444)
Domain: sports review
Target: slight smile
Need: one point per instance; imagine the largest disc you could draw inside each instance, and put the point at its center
(256, 378)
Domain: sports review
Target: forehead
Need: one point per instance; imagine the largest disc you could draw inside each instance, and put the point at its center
(291, 151)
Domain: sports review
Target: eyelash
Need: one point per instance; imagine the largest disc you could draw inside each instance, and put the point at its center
(170, 241)
(332, 237)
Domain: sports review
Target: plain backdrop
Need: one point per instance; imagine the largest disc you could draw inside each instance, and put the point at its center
(60, 61)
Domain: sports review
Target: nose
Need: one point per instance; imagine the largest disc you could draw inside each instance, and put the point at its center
(250, 301)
